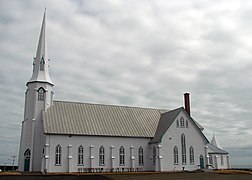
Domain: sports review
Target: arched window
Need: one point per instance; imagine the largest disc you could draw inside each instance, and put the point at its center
(182, 122)
(27, 153)
(187, 124)
(191, 155)
(175, 154)
(101, 156)
(210, 159)
(80, 156)
(42, 64)
(154, 155)
(121, 156)
(177, 123)
(140, 156)
(183, 145)
(41, 94)
(58, 155)
(222, 160)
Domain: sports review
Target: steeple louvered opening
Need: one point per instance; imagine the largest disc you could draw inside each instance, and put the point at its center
(42, 64)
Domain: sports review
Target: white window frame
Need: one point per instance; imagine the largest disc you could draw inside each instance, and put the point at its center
(140, 156)
(222, 159)
(101, 156)
(154, 154)
(175, 155)
(58, 154)
(81, 156)
(183, 148)
(121, 156)
(191, 155)
(182, 122)
(41, 94)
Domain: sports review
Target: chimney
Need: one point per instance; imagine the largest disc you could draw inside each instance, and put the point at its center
(187, 103)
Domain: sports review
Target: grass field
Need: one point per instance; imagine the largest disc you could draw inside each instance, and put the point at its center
(214, 175)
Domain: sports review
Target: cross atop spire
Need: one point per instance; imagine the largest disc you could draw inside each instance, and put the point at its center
(40, 64)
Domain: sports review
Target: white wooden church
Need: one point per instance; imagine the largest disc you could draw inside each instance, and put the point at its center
(60, 136)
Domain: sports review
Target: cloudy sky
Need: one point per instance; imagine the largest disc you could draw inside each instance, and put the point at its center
(138, 53)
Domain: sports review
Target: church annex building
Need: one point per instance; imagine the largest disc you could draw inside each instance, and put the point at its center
(60, 136)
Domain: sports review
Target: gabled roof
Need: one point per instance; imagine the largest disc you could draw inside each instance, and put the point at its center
(215, 150)
(164, 123)
(199, 126)
(167, 119)
(74, 118)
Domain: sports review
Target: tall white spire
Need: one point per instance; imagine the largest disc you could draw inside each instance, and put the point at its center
(40, 64)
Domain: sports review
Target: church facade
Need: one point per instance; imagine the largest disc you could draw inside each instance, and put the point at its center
(60, 136)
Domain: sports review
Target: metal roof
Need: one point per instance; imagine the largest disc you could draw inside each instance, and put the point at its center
(215, 150)
(75, 118)
(164, 123)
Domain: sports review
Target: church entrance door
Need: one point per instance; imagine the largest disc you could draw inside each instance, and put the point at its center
(27, 156)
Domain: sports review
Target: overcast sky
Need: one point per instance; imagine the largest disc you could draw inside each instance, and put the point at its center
(138, 53)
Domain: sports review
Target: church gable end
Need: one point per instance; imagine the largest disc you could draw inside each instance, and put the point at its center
(182, 142)
(172, 117)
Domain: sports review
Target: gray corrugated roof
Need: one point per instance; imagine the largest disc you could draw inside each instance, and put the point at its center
(199, 126)
(167, 119)
(164, 123)
(96, 119)
(215, 150)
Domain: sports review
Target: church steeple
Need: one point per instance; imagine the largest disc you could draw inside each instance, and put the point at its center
(40, 64)
(38, 98)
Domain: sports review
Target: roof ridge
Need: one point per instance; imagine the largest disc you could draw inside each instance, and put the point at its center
(113, 105)
(170, 111)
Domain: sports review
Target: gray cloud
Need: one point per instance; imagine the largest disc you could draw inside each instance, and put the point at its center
(137, 53)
